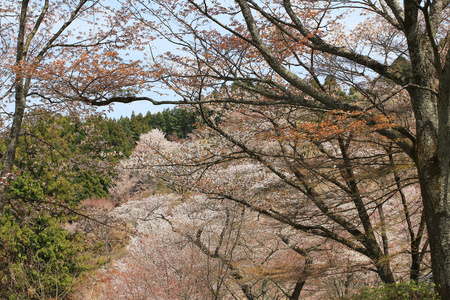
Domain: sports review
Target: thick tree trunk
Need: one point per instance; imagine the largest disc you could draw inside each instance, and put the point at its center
(11, 147)
(433, 152)
(20, 90)
(384, 270)
(433, 156)
(438, 224)
(433, 160)
(430, 101)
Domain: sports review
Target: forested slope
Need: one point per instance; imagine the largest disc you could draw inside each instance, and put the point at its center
(62, 162)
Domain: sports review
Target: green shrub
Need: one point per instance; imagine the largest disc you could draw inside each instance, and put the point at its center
(399, 291)
(38, 258)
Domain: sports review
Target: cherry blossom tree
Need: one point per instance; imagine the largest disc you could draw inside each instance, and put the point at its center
(195, 248)
(292, 54)
(308, 200)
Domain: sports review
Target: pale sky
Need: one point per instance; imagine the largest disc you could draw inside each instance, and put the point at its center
(125, 110)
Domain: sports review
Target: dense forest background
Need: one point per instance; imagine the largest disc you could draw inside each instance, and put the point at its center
(63, 161)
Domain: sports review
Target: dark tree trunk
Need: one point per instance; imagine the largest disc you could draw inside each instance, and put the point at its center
(438, 224)
(20, 104)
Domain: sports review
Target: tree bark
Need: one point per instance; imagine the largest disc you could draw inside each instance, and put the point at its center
(433, 167)
(20, 104)
(436, 206)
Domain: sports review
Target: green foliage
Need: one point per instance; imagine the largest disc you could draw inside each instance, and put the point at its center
(61, 161)
(68, 159)
(93, 185)
(119, 136)
(122, 134)
(38, 258)
(399, 291)
(26, 187)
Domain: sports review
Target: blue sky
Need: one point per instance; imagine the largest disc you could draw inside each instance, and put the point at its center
(125, 110)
